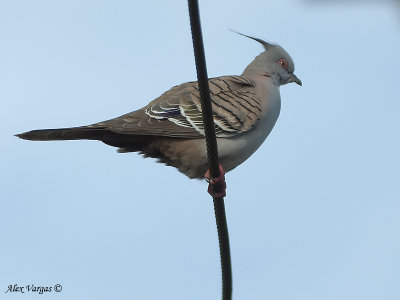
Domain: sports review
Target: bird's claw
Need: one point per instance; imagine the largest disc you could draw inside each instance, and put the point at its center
(216, 186)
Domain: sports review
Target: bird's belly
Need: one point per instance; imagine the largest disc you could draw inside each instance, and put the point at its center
(233, 152)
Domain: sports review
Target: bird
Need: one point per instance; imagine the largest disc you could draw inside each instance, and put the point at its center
(170, 128)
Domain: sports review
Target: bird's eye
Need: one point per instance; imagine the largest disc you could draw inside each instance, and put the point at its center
(283, 63)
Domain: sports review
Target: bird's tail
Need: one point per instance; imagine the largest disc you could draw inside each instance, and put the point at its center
(74, 133)
(127, 142)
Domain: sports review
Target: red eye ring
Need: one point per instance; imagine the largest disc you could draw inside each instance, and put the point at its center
(283, 63)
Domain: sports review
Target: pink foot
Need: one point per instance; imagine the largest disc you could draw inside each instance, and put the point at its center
(216, 186)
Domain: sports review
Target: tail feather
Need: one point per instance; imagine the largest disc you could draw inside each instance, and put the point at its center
(129, 142)
(74, 133)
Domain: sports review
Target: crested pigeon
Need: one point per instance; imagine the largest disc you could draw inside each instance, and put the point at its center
(170, 128)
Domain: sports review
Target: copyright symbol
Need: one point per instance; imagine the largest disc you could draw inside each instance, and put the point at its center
(58, 288)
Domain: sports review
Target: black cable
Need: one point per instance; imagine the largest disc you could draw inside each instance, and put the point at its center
(212, 149)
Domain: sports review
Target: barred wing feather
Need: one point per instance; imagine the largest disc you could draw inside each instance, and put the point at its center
(177, 112)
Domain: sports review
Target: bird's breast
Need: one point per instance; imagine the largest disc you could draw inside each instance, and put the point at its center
(234, 152)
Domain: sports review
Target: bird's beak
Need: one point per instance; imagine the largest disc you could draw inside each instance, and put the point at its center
(294, 78)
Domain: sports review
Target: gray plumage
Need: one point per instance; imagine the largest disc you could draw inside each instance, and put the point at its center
(170, 127)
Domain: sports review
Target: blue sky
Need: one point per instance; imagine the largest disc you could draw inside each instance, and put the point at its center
(313, 214)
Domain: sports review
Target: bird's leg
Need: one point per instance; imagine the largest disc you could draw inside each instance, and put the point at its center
(216, 186)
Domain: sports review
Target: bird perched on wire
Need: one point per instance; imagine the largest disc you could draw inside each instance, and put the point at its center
(170, 128)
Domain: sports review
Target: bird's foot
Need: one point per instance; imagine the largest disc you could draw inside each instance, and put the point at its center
(216, 186)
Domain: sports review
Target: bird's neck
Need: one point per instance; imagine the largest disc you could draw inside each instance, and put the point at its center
(259, 66)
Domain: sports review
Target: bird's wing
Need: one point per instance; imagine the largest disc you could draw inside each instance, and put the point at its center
(177, 112)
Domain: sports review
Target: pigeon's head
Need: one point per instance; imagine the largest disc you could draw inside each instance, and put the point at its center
(274, 62)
